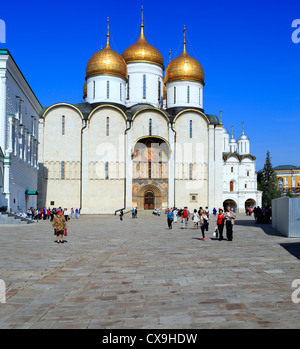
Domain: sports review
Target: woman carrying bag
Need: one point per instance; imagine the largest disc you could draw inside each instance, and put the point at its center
(220, 223)
(203, 223)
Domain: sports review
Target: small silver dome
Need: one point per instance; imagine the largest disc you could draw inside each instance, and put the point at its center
(243, 137)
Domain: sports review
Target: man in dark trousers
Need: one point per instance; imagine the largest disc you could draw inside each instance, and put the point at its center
(229, 221)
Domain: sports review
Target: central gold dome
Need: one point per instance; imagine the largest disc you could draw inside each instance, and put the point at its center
(184, 67)
(107, 62)
(142, 51)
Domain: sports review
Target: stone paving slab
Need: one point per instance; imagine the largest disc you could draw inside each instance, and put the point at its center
(137, 273)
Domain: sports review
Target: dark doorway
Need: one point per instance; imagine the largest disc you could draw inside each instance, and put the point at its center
(149, 200)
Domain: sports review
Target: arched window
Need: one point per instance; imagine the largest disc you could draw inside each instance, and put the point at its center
(190, 171)
(144, 86)
(63, 125)
(107, 89)
(62, 170)
(231, 186)
(174, 95)
(107, 126)
(128, 86)
(106, 171)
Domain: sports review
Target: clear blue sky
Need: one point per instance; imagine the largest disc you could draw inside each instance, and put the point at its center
(251, 65)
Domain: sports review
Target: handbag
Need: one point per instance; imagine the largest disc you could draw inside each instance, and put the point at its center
(215, 233)
(66, 232)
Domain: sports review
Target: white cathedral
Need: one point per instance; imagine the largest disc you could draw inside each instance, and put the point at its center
(141, 139)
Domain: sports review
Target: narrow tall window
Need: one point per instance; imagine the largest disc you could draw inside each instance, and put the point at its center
(150, 127)
(128, 86)
(174, 95)
(106, 171)
(231, 186)
(63, 125)
(107, 89)
(188, 94)
(191, 171)
(107, 126)
(94, 89)
(159, 90)
(144, 86)
(62, 170)
(120, 92)
(191, 129)
(149, 170)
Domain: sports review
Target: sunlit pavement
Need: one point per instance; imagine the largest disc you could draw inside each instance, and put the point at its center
(137, 273)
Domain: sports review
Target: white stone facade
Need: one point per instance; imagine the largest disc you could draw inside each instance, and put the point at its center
(19, 118)
(239, 174)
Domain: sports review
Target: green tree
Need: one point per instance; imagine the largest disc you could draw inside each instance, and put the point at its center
(268, 183)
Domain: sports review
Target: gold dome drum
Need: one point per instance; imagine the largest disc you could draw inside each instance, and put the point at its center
(107, 62)
(184, 67)
(142, 51)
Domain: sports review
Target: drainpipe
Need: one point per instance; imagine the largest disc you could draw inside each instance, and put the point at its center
(175, 134)
(125, 178)
(81, 165)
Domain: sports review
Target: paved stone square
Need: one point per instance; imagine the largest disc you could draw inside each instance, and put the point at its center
(137, 273)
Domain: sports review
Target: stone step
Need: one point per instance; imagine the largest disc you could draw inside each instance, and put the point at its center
(12, 218)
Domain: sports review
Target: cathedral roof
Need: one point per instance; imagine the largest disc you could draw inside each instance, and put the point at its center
(227, 155)
(86, 108)
(107, 62)
(142, 51)
(184, 67)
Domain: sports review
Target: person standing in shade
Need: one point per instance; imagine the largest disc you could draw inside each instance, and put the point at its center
(59, 224)
(170, 218)
(229, 222)
(220, 223)
(121, 215)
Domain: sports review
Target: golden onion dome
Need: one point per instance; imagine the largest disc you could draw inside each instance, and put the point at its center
(184, 67)
(142, 51)
(107, 62)
(85, 89)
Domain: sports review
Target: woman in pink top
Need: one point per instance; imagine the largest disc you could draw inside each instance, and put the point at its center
(220, 223)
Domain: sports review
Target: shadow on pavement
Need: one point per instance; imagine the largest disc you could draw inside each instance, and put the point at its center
(293, 248)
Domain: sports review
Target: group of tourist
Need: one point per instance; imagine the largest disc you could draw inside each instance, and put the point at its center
(262, 214)
(47, 213)
(200, 220)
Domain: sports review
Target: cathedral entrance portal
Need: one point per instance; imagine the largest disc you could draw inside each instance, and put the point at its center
(149, 200)
(150, 164)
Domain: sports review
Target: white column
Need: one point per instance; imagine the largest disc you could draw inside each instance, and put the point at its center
(6, 189)
(128, 166)
(171, 180)
(3, 113)
(85, 173)
(211, 167)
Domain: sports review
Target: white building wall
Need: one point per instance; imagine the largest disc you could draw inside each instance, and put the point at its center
(154, 75)
(184, 98)
(19, 129)
(106, 88)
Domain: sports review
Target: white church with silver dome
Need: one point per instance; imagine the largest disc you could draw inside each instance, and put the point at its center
(141, 139)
